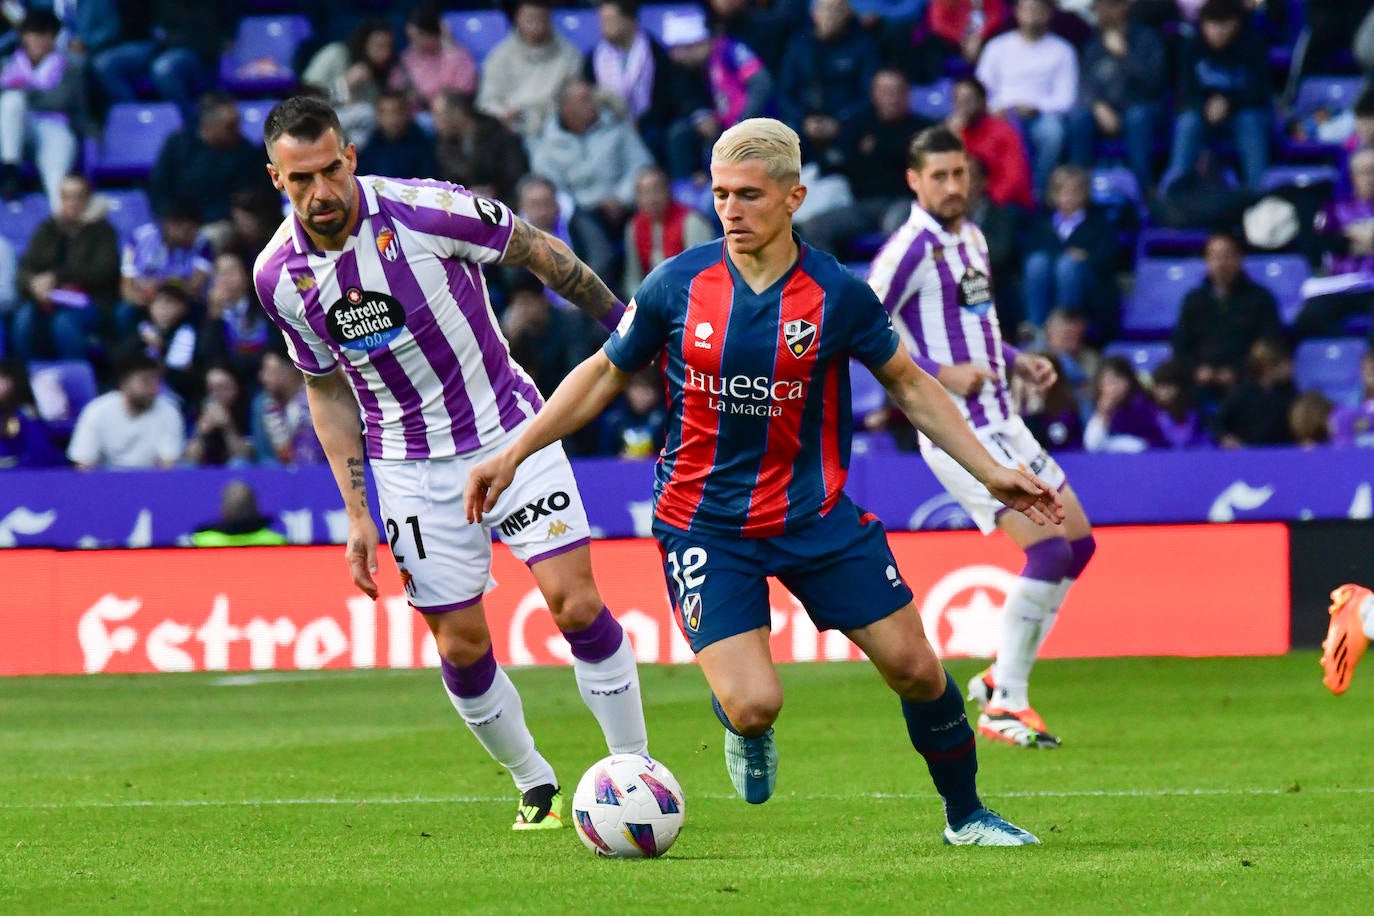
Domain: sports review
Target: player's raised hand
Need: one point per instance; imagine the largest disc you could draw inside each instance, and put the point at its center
(487, 480)
(965, 379)
(1027, 494)
(1036, 370)
(361, 553)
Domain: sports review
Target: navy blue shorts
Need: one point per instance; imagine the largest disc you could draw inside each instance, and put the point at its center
(840, 568)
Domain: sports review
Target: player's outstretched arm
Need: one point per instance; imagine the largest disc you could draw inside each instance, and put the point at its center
(931, 410)
(586, 392)
(552, 261)
(334, 411)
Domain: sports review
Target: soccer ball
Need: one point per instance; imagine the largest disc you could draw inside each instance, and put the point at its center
(628, 806)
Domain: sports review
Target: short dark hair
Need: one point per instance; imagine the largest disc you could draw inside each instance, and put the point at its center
(1364, 104)
(132, 362)
(628, 8)
(1222, 11)
(973, 83)
(44, 22)
(937, 139)
(1225, 235)
(425, 17)
(302, 117)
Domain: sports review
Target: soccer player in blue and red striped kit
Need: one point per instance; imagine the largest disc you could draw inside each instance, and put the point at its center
(756, 334)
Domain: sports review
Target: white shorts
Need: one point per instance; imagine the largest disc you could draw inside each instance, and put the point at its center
(445, 563)
(1013, 446)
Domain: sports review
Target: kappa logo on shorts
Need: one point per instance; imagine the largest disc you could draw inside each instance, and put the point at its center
(488, 211)
(558, 528)
(691, 611)
(523, 517)
(800, 335)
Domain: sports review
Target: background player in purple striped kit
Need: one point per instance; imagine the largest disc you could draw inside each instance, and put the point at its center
(757, 333)
(377, 286)
(933, 278)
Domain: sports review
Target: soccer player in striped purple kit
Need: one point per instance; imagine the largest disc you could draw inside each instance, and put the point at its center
(377, 285)
(756, 334)
(933, 278)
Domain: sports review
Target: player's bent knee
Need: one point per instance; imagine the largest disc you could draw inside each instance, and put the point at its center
(754, 715)
(1049, 560)
(460, 651)
(1082, 549)
(919, 678)
(575, 610)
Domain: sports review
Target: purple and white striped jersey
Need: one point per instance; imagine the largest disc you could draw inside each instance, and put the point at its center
(937, 287)
(404, 309)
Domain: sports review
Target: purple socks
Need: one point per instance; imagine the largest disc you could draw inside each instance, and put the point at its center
(472, 681)
(597, 642)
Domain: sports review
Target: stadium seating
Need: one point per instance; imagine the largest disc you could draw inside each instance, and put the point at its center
(1334, 92)
(1152, 309)
(651, 17)
(579, 26)
(1164, 242)
(60, 389)
(259, 60)
(19, 218)
(1300, 175)
(1331, 366)
(251, 116)
(1115, 185)
(478, 31)
(133, 136)
(1282, 275)
(129, 208)
(1145, 356)
(933, 101)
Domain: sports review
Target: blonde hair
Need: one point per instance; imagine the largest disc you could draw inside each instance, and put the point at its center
(763, 139)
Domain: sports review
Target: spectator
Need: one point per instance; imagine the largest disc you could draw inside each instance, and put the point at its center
(546, 341)
(1363, 111)
(219, 429)
(954, 29)
(168, 335)
(254, 215)
(1001, 227)
(282, 431)
(235, 332)
(1176, 412)
(540, 204)
(826, 78)
(1256, 410)
(660, 228)
(1224, 82)
(132, 427)
(1123, 79)
(240, 524)
(521, 75)
(1071, 257)
(1309, 420)
(1123, 419)
(1354, 425)
(874, 163)
(171, 250)
(432, 62)
(766, 27)
(69, 279)
(177, 46)
(1223, 318)
(631, 67)
(1033, 74)
(25, 440)
(42, 107)
(994, 142)
(637, 425)
(1065, 340)
(397, 146)
(206, 163)
(594, 157)
(1345, 228)
(92, 26)
(1053, 417)
(723, 82)
(354, 73)
(474, 149)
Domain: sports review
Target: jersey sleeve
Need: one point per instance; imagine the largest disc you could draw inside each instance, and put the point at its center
(458, 223)
(872, 340)
(310, 354)
(643, 329)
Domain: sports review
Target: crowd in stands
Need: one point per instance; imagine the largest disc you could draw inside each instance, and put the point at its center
(1178, 195)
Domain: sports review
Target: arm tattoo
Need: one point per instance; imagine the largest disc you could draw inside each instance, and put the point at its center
(355, 474)
(561, 270)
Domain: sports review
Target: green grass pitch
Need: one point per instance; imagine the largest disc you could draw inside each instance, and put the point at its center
(1184, 786)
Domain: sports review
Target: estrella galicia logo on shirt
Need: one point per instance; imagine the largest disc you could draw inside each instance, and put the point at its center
(365, 320)
(800, 334)
(527, 514)
(388, 245)
(975, 291)
(691, 611)
(488, 211)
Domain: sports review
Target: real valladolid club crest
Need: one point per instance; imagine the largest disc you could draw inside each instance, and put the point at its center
(799, 334)
(387, 245)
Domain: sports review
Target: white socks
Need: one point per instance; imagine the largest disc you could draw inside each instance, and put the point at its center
(497, 720)
(610, 688)
(1026, 620)
(1367, 616)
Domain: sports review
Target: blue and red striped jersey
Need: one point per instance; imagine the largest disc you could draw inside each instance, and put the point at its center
(759, 414)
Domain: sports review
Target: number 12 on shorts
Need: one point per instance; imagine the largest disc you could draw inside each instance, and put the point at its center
(684, 570)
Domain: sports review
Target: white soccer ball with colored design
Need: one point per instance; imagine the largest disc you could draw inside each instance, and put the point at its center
(628, 807)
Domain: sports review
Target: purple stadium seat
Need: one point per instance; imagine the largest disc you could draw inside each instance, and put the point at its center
(479, 32)
(932, 101)
(134, 134)
(651, 17)
(1145, 356)
(128, 209)
(1300, 176)
(259, 60)
(579, 26)
(866, 393)
(19, 218)
(1283, 275)
(1332, 366)
(1115, 185)
(1336, 92)
(1164, 242)
(1152, 309)
(251, 116)
(60, 389)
